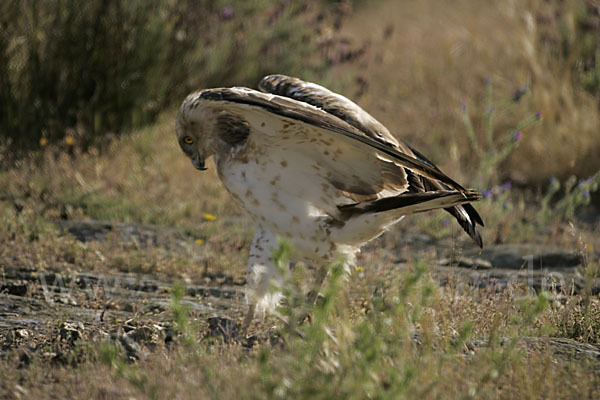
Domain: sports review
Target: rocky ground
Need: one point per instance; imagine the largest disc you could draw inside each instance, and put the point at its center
(44, 313)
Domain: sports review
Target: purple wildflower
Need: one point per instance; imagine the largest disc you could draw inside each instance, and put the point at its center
(520, 93)
(507, 185)
(487, 194)
(228, 12)
(517, 136)
(585, 182)
(538, 114)
(446, 222)
(586, 194)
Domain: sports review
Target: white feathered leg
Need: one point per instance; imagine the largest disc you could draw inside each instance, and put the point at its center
(264, 279)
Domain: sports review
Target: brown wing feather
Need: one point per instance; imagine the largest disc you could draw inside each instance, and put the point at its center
(354, 115)
(290, 108)
(329, 102)
(397, 162)
(232, 129)
(466, 215)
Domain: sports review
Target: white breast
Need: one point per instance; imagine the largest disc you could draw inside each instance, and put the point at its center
(288, 204)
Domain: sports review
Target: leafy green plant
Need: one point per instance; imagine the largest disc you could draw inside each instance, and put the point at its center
(574, 194)
(493, 148)
(180, 312)
(577, 194)
(393, 350)
(79, 70)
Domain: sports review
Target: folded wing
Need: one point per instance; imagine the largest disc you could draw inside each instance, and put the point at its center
(350, 112)
(363, 160)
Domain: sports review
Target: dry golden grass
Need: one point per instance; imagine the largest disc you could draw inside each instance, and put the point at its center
(358, 345)
(140, 178)
(437, 56)
(426, 58)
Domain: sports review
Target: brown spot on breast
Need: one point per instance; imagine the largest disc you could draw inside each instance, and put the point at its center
(274, 181)
(284, 163)
(295, 220)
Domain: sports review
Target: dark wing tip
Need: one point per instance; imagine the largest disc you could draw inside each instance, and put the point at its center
(472, 212)
(468, 224)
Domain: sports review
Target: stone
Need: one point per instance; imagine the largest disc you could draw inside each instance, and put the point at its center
(70, 332)
(466, 262)
(518, 256)
(17, 288)
(222, 327)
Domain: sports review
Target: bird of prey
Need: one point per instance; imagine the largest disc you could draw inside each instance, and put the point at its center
(311, 167)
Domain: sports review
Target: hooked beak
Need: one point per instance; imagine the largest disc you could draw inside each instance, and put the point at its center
(198, 162)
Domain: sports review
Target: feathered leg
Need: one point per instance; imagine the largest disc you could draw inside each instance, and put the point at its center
(264, 278)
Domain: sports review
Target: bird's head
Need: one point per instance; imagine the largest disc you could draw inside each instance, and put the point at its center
(206, 127)
(194, 129)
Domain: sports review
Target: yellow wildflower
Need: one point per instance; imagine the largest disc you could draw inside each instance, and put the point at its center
(198, 241)
(360, 269)
(43, 141)
(70, 140)
(208, 217)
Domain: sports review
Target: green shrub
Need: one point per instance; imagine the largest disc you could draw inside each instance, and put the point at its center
(80, 70)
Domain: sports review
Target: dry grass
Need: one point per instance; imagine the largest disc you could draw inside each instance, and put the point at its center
(140, 178)
(428, 58)
(437, 57)
(358, 345)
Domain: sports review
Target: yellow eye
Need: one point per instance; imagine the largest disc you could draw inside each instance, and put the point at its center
(188, 140)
